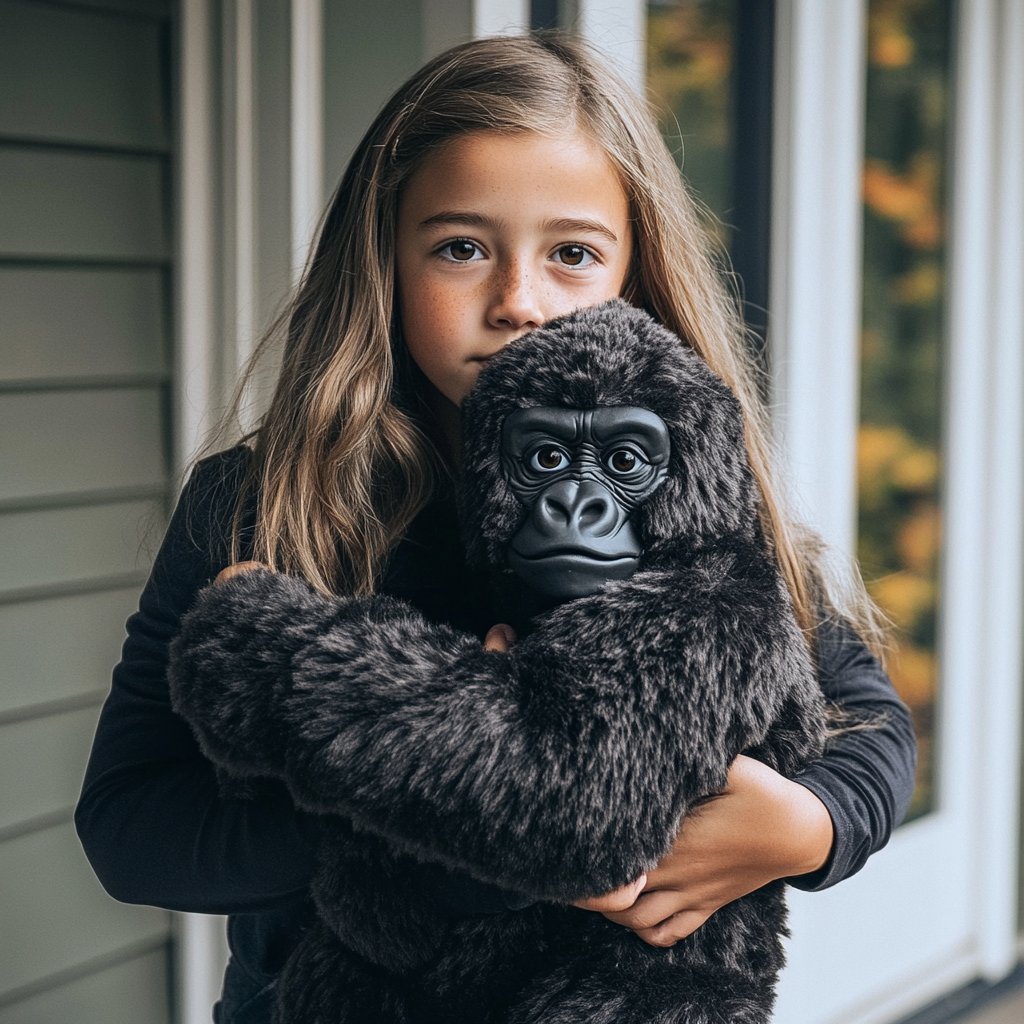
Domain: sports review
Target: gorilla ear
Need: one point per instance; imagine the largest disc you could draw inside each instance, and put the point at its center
(490, 514)
(710, 491)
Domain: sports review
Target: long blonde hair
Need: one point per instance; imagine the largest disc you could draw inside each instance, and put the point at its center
(341, 464)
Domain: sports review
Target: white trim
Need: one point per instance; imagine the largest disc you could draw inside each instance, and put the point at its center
(816, 254)
(1001, 672)
(962, 691)
(195, 370)
(201, 375)
(619, 27)
(244, 180)
(241, 234)
(307, 128)
(201, 949)
(500, 17)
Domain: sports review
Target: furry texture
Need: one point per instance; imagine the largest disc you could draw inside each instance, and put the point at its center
(561, 769)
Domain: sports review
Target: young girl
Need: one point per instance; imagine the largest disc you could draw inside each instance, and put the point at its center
(509, 181)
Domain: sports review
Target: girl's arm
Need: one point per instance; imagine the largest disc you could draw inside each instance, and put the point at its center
(561, 769)
(151, 817)
(814, 831)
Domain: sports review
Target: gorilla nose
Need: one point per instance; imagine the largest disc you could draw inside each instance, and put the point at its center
(585, 508)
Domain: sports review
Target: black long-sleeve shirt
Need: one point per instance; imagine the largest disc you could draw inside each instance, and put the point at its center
(158, 830)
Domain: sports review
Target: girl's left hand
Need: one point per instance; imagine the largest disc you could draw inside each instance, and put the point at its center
(761, 827)
(499, 638)
(237, 569)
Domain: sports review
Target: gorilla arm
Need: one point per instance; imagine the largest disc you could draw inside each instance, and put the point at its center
(561, 769)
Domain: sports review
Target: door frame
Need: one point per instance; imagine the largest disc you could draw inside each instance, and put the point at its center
(226, 235)
(237, 258)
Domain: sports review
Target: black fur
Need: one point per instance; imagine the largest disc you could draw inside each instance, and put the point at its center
(561, 769)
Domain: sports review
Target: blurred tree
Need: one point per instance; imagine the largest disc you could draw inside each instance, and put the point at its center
(899, 456)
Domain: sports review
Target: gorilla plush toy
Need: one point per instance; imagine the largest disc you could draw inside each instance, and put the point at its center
(606, 489)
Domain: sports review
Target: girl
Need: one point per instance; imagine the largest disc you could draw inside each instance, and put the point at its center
(509, 181)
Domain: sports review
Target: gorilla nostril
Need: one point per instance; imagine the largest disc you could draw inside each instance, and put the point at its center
(597, 517)
(592, 512)
(555, 511)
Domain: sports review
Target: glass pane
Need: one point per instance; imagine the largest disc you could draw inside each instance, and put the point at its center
(899, 450)
(691, 76)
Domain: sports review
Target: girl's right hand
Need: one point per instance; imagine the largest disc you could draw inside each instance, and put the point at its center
(615, 902)
(761, 827)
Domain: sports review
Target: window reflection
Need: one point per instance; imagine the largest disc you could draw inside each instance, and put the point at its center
(691, 76)
(899, 449)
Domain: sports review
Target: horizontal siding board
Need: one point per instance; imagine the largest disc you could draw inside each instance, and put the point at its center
(134, 992)
(138, 8)
(42, 762)
(82, 76)
(71, 544)
(81, 205)
(58, 322)
(79, 441)
(62, 647)
(57, 915)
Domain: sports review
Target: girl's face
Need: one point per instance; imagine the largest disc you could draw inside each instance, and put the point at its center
(497, 234)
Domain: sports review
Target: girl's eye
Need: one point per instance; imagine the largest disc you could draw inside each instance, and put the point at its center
(622, 461)
(460, 251)
(575, 256)
(547, 459)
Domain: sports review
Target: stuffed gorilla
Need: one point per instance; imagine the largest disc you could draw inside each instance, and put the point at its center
(606, 489)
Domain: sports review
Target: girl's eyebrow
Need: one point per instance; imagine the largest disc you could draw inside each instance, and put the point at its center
(570, 225)
(474, 220)
(573, 225)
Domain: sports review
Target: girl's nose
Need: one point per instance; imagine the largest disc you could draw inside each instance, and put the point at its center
(515, 302)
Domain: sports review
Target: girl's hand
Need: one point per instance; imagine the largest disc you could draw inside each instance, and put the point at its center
(237, 569)
(762, 827)
(499, 638)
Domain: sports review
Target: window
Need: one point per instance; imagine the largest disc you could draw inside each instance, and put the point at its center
(899, 440)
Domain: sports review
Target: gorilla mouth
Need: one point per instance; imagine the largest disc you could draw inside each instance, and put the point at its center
(586, 553)
(568, 572)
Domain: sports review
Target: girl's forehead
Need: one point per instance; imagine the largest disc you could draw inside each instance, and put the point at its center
(481, 147)
(507, 170)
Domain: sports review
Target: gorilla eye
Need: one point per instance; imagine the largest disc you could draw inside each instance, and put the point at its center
(622, 461)
(548, 458)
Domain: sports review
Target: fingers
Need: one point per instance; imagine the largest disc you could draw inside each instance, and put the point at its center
(677, 927)
(657, 918)
(237, 569)
(648, 911)
(612, 902)
(500, 638)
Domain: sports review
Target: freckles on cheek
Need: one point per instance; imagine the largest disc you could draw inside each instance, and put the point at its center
(430, 325)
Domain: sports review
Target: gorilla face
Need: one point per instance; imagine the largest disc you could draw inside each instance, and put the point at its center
(580, 473)
(540, 488)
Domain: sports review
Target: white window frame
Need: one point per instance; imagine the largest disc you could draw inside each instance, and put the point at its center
(815, 326)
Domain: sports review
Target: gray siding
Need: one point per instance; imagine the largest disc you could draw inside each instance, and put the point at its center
(85, 279)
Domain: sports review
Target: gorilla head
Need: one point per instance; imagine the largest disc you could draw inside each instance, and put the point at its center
(593, 441)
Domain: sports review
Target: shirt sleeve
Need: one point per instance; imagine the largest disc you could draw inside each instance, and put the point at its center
(151, 817)
(865, 778)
